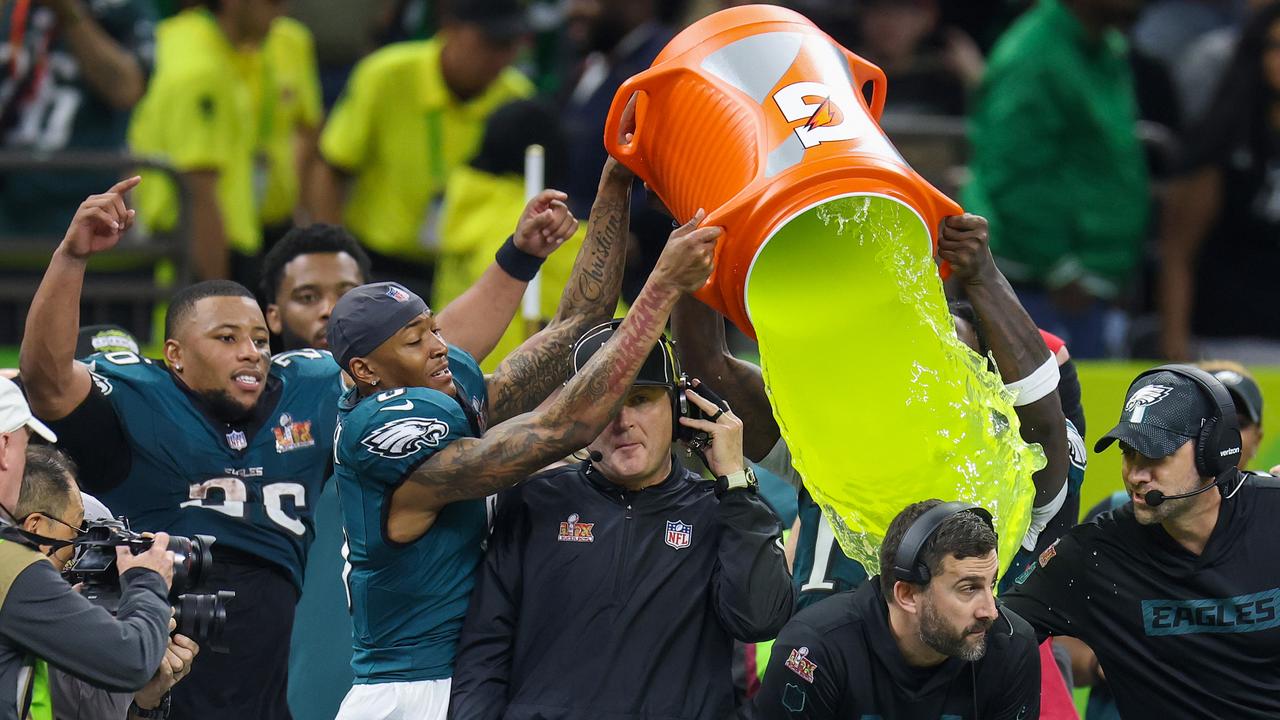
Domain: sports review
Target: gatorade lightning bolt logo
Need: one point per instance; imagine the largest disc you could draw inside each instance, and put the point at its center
(809, 80)
(815, 104)
(826, 114)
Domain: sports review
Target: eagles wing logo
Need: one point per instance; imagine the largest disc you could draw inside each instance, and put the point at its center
(405, 436)
(1075, 448)
(1144, 398)
(104, 385)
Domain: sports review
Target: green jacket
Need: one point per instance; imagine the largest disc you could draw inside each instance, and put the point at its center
(1057, 167)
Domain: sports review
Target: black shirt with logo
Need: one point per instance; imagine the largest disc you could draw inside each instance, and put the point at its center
(838, 659)
(1178, 635)
(598, 602)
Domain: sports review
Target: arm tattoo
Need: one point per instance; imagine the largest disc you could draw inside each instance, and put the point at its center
(533, 370)
(511, 451)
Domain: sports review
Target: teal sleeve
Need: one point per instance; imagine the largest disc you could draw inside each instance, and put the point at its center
(1078, 457)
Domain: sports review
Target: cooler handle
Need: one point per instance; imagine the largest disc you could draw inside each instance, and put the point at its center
(864, 72)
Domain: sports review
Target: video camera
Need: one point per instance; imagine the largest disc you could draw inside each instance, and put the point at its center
(201, 617)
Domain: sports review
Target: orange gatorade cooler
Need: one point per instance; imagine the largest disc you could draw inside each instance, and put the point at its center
(827, 259)
(755, 114)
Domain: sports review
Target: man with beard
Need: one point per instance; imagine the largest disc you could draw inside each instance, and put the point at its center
(220, 439)
(925, 639)
(303, 276)
(1182, 583)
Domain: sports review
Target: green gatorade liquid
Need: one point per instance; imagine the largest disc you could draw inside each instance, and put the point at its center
(881, 404)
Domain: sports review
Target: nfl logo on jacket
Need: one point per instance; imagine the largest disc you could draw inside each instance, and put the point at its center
(679, 535)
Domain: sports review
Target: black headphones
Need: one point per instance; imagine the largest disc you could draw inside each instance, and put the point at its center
(907, 564)
(665, 373)
(1218, 445)
(677, 381)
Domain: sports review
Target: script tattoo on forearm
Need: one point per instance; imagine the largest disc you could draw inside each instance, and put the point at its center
(509, 452)
(531, 372)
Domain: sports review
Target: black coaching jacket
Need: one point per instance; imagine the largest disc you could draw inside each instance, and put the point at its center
(597, 602)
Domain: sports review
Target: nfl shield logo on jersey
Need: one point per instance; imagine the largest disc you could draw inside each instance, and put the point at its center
(679, 534)
(237, 440)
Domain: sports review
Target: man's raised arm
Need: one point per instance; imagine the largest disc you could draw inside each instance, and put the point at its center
(1025, 363)
(532, 371)
(509, 452)
(55, 383)
(476, 319)
(699, 339)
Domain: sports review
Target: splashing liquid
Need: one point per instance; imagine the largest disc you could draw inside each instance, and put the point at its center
(879, 401)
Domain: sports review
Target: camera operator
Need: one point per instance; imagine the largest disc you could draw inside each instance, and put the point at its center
(43, 619)
(49, 482)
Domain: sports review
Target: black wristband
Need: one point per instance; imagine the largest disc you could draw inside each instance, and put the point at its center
(516, 262)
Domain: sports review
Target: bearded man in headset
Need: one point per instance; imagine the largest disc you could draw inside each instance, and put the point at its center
(925, 639)
(1177, 591)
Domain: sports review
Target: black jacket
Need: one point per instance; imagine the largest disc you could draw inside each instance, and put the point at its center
(1179, 635)
(598, 602)
(838, 660)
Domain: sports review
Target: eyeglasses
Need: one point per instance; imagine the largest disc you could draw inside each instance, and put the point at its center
(84, 524)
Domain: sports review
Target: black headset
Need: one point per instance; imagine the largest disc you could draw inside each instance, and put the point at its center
(1218, 445)
(677, 381)
(907, 563)
(672, 378)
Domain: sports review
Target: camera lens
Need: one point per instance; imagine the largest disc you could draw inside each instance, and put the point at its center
(203, 618)
(192, 558)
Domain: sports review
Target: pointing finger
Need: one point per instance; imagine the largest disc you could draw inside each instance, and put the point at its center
(126, 185)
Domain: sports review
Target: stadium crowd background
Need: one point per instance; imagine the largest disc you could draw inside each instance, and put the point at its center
(1144, 229)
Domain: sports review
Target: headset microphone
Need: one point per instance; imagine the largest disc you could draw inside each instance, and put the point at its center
(595, 455)
(1154, 498)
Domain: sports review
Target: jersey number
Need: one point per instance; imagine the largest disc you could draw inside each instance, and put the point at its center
(46, 117)
(823, 546)
(228, 496)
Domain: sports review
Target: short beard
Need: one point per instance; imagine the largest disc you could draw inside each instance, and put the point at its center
(223, 407)
(1169, 509)
(290, 341)
(935, 633)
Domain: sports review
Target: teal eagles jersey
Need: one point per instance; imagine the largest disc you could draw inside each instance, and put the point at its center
(407, 600)
(821, 567)
(254, 490)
